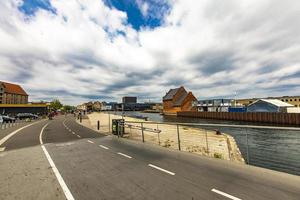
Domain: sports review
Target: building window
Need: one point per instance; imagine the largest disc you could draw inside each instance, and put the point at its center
(295, 99)
(286, 100)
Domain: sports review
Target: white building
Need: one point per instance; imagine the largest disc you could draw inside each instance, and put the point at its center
(272, 105)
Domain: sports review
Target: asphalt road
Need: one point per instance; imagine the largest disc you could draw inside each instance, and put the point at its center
(75, 162)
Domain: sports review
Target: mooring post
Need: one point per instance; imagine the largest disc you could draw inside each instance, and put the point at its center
(98, 125)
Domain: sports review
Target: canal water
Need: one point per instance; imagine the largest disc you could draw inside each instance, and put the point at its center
(269, 148)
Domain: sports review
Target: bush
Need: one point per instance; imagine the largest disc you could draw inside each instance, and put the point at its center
(218, 155)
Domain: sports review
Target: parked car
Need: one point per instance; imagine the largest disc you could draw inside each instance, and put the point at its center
(8, 119)
(27, 116)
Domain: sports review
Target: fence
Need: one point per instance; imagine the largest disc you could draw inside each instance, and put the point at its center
(6, 125)
(270, 147)
(274, 118)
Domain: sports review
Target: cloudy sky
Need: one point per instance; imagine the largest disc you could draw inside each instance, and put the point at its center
(80, 50)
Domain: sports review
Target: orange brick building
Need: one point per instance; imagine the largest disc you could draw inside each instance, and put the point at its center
(178, 99)
(12, 94)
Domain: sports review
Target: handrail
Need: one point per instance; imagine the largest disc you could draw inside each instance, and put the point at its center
(221, 125)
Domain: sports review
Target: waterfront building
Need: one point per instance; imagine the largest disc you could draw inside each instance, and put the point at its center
(177, 100)
(294, 100)
(214, 105)
(271, 105)
(127, 100)
(12, 94)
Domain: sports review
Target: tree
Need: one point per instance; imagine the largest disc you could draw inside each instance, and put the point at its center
(68, 108)
(55, 104)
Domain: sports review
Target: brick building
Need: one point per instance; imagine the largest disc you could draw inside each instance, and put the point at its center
(12, 94)
(178, 99)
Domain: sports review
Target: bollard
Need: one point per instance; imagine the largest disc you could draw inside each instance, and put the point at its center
(158, 135)
(178, 137)
(80, 119)
(98, 125)
(142, 132)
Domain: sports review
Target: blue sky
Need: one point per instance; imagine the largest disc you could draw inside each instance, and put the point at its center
(131, 7)
(81, 50)
(29, 7)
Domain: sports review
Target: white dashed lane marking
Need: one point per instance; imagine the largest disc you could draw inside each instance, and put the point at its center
(122, 154)
(104, 147)
(78, 136)
(90, 141)
(161, 169)
(225, 194)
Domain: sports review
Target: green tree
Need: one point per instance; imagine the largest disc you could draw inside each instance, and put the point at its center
(68, 108)
(55, 105)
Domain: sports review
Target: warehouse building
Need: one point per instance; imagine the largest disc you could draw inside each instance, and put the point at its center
(271, 105)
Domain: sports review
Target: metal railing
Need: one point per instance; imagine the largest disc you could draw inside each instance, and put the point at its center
(276, 148)
(272, 147)
(17, 122)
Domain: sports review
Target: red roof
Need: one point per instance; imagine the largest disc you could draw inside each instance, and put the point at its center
(13, 88)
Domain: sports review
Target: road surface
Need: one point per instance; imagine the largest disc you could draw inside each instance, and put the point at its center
(60, 159)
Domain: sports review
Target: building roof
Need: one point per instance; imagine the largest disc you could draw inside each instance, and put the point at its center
(13, 88)
(170, 94)
(180, 99)
(275, 102)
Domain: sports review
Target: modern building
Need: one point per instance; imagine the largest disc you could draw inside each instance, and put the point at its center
(214, 105)
(294, 100)
(127, 100)
(270, 105)
(178, 99)
(12, 94)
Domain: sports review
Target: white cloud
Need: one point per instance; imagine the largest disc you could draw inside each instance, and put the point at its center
(214, 48)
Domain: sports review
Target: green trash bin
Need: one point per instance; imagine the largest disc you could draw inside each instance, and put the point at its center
(117, 127)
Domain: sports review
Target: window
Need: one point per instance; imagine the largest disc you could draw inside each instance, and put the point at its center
(286, 100)
(295, 100)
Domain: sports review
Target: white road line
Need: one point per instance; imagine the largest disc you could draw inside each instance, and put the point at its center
(122, 154)
(73, 133)
(2, 149)
(61, 181)
(161, 169)
(90, 141)
(104, 147)
(16, 131)
(78, 136)
(225, 194)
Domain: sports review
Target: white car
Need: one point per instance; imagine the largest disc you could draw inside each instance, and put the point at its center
(1, 119)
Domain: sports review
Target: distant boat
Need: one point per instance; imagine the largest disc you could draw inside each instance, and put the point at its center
(138, 117)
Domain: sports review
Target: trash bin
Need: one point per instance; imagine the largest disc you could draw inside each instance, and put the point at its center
(117, 127)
